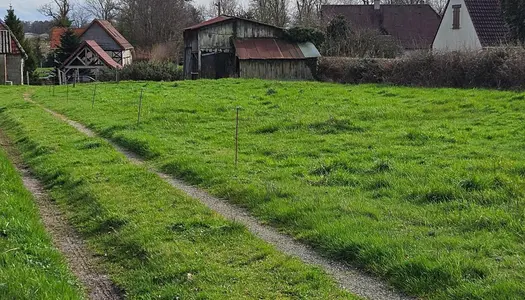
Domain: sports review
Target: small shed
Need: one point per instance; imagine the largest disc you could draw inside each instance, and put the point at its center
(88, 60)
(234, 47)
(12, 57)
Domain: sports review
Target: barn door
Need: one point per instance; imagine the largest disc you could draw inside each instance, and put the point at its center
(217, 65)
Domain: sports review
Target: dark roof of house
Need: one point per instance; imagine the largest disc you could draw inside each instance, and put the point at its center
(56, 35)
(16, 47)
(102, 55)
(414, 26)
(112, 32)
(488, 21)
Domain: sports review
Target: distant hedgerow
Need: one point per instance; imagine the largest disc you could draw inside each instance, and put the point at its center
(501, 68)
(148, 71)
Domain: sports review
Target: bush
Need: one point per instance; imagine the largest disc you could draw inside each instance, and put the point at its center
(149, 71)
(502, 68)
(352, 70)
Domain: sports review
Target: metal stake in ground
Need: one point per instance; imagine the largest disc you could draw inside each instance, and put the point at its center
(94, 95)
(140, 105)
(237, 136)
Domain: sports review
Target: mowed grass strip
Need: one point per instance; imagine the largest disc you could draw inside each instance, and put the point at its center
(30, 266)
(424, 187)
(155, 242)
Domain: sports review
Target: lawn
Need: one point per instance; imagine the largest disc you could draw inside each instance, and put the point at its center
(423, 187)
(30, 266)
(154, 241)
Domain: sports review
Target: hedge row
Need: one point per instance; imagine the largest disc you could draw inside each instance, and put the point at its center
(150, 71)
(497, 68)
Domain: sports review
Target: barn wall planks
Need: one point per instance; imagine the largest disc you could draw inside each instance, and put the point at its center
(276, 69)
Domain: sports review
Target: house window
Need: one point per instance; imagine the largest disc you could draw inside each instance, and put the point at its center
(5, 41)
(456, 12)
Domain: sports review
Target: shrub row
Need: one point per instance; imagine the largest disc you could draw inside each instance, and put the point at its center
(151, 71)
(497, 68)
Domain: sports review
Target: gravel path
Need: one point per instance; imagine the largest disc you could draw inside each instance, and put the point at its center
(80, 260)
(348, 277)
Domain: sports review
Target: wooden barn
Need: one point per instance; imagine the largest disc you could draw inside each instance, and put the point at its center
(12, 57)
(234, 47)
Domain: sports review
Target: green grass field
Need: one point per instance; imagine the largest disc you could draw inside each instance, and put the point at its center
(155, 242)
(424, 187)
(30, 266)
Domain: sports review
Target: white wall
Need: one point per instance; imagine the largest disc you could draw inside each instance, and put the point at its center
(127, 58)
(464, 38)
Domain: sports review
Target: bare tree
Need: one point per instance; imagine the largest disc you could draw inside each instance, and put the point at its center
(157, 24)
(79, 16)
(274, 12)
(221, 7)
(102, 9)
(59, 11)
(308, 12)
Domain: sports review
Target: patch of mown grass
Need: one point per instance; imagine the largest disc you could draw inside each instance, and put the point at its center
(404, 182)
(154, 241)
(30, 266)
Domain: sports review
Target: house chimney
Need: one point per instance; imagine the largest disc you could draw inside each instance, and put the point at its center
(377, 4)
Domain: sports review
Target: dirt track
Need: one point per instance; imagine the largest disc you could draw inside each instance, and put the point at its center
(349, 278)
(80, 260)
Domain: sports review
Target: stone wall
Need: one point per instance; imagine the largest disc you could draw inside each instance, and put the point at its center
(15, 69)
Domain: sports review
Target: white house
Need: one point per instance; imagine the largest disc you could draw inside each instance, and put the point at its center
(471, 25)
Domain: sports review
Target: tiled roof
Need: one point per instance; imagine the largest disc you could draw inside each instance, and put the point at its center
(16, 47)
(488, 21)
(56, 35)
(102, 55)
(113, 33)
(414, 26)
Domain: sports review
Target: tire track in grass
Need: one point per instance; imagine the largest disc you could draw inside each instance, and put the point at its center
(80, 260)
(348, 277)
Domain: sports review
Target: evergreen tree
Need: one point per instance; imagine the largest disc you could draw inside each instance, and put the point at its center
(514, 12)
(17, 28)
(337, 34)
(69, 42)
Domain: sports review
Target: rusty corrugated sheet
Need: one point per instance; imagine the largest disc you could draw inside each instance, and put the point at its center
(267, 49)
(209, 22)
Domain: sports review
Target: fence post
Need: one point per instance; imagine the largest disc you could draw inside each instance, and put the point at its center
(140, 106)
(94, 95)
(237, 136)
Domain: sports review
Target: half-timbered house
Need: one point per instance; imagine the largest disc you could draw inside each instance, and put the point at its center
(12, 57)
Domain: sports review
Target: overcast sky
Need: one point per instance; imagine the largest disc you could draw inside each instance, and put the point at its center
(26, 10)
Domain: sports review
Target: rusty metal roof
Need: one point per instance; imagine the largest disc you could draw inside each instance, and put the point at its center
(210, 22)
(268, 48)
